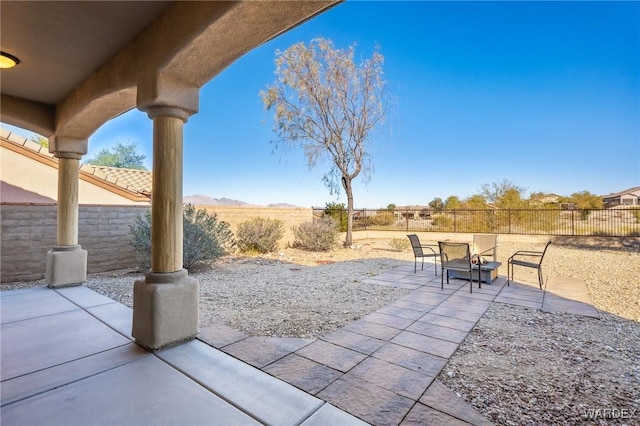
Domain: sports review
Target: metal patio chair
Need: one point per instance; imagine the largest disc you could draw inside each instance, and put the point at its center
(532, 259)
(455, 257)
(486, 246)
(419, 253)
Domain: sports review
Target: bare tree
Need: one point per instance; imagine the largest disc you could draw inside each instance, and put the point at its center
(329, 106)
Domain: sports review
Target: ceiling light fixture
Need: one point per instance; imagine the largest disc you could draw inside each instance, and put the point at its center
(8, 61)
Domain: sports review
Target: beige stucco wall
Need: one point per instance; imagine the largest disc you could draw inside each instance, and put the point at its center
(29, 181)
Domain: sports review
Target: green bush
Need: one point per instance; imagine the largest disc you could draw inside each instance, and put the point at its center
(205, 238)
(339, 214)
(317, 235)
(259, 234)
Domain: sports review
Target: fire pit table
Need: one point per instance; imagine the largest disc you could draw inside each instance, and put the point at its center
(489, 272)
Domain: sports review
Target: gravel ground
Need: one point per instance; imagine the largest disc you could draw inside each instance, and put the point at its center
(517, 366)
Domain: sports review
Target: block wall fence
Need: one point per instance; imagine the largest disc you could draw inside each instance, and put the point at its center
(29, 232)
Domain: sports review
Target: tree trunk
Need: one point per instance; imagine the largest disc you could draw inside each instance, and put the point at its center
(346, 183)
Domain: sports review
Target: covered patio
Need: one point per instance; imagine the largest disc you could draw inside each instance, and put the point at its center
(78, 65)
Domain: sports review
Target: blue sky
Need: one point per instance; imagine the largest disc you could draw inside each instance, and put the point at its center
(544, 94)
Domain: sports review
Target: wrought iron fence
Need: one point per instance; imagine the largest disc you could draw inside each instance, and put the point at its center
(614, 222)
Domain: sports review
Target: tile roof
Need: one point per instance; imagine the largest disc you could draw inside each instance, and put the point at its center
(132, 179)
(632, 191)
(135, 181)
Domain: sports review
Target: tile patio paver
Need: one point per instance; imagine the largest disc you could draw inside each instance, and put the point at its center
(220, 335)
(445, 321)
(452, 312)
(568, 295)
(303, 373)
(469, 301)
(462, 307)
(427, 344)
(262, 351)
(400, 312)
(354, 341)
(388, 320)
(392, 377)
(367, 401)
(437, 331)
(404, 304)
(427, 364)
(370, 329)
(334, 356)
(425, 297)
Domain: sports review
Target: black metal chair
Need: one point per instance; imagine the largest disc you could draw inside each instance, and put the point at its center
(418, 252)
(455, 257)
(529, 261)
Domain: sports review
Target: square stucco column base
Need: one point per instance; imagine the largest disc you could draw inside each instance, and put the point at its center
(165, 309)
(66, 266)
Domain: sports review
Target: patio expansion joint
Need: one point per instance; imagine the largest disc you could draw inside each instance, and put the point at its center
(208, 389)
(44, 316)
(86, 309)
(70, 382)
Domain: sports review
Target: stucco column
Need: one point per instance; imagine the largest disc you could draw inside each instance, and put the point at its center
(67, 262)
(68, 175)
(166, 209)
(165, 303)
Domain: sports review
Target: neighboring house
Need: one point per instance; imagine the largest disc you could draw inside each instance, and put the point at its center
(628, 197)
(413, 212)
(29, 175)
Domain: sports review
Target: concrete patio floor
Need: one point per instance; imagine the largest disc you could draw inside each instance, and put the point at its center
(67, 357)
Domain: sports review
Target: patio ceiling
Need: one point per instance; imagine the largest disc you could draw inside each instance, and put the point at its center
(83, 63)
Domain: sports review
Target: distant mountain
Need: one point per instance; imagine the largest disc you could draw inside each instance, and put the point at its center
(205, 200)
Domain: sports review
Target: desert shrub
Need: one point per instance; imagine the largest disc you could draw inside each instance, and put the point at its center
(205, 238)
(442, 222)
(399, 244)
(317, 235)
(141, 238)
(259, 235)
(383, 218)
